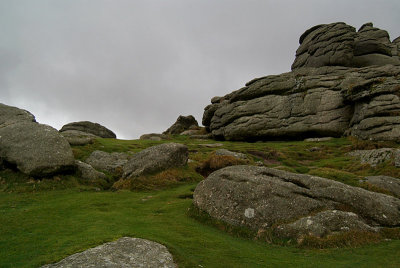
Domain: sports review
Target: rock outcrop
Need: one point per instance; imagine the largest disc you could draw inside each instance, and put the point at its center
(154, 137)
(338, 44)
(87, 172)
(125, 252)
(182, 123)
(112, 163)
(89, 127)
(260, 198)
(76, 137)
(156, 159)
(34, 149)
(389, 184)
(375, 157)
(321, 101)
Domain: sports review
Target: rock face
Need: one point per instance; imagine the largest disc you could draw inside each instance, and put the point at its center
(182, 123)
(338, 44)
(35, 149)
(125, 252)
(154, 137)
(321, 101)
(260, 197)
(89, 127)
(110, 162)
(75, 137)
(390, 184)
(88, 172)
(323, 224)
(377, 156)
(155, 159)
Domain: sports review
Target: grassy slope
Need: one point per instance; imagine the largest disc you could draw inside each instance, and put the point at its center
(42, 226)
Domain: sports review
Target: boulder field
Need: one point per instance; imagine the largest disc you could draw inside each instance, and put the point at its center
(342, 82)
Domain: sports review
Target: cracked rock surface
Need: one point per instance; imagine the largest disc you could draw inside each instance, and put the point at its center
(261, 197)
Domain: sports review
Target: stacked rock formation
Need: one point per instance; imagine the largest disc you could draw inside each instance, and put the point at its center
(343, 83)
(182, 124)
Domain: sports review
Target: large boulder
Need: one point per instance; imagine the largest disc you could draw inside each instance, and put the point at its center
(260, 198)
(338, 44)
(154, 137)
(76, 137)
(110, 162)
(156, 159)
(33, 148)
(10, 114)
(125, 252)
(182, 123)
(89, 127)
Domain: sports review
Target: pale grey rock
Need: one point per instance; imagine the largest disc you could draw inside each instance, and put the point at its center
(338, 44)
(323, 224)
(156, 159)
(230, 153)
(110, 162)
(10, 115)
(154, 137)
(375, 157)
(211, 145)
(318, 139)
(390, 184)
(89, 127)
(277, 196)
(190, 132)
(36, 149)
(88, 172)
(76, 137)
(182, 123)
(126, 252)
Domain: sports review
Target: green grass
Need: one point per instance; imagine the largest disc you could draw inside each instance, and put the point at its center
(43, 221)
(48, 226)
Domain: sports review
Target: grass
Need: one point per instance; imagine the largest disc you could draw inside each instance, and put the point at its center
(48, 226)
(43, 221)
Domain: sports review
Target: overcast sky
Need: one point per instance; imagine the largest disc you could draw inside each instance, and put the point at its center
(135, 66)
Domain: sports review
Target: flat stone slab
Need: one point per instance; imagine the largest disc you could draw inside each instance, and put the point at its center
(123, 253)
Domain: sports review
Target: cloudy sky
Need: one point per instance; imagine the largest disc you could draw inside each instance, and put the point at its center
(135, 66)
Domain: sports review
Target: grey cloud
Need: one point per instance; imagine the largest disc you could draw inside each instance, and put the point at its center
(134, 66)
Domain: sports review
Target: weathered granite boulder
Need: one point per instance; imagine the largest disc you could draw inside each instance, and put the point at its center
(155, 159)
(323, 224)
(182, 123)
(10, 114)
(89, 127)
(76, 137)
(225, 152)
(110, 162)
(260, 197)
(338, 44)
(154, 137)
(35, 149)
(125, 252)
(88, 172)
(390, 184)
(375, 157)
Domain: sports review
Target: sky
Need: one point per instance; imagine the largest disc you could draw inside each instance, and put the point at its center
(135, 66)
